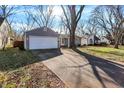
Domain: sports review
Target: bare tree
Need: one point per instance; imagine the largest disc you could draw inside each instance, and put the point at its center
(43, 15)
(72, 17)
(81, 28)
(28, 24)
(62, 25)
(91, 27)
(110, 19)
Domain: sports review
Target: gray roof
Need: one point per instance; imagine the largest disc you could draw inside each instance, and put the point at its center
(1, 20)
(43, 31)
(96, 38)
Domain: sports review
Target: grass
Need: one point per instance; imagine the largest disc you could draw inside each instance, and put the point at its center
(24, 69)
(13, 64)
(105, 52)
(13, 58)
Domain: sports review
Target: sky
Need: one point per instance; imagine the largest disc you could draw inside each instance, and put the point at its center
(20, 16)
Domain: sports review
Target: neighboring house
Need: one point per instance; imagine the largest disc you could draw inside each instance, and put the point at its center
(103, 39)
(4, 34)
(41, 38)
(84, 40)
(64, 40)
(90, 40)
(93, 40)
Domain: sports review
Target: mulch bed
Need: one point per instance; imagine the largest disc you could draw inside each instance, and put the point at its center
(43, 77)
(33, 76)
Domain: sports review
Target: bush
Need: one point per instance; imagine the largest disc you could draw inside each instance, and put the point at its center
(103, 44)
(84, 45)
(19, 44)
(90, 44)
(15, 44)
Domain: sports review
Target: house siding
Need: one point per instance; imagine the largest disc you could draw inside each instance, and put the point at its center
(84, 41)
(66, 41)
(4, 29)
(91, 40)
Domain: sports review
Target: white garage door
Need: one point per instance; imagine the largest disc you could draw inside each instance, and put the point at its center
(42, 42)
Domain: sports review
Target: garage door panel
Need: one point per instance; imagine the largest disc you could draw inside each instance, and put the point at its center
(37, 42)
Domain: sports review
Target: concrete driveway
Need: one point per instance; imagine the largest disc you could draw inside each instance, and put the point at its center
(78, 69)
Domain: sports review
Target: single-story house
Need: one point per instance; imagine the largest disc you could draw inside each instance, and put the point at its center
(90, 40)
(41, 38)
(93, 40)
(103, 39)
(64, 40)
(84, 40)
(5, 39)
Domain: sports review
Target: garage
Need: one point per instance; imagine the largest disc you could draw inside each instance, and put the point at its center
(41, 38)
(38, 42)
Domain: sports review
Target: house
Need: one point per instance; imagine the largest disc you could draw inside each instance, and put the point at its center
(64, 40)
(93, 40)
(41, 38)
(84, 40)
(103, 39)
(90, 40)
(4, 33)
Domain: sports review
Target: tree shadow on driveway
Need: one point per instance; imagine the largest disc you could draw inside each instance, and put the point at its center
(112, 69)
(47, 54)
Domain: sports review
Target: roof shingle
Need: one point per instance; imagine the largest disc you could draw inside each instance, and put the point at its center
(43, 31)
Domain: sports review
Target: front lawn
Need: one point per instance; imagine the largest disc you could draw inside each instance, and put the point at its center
(24, 69)
(13, 58)
(105, 52)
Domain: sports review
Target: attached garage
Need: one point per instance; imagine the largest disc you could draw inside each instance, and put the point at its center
(41, 38)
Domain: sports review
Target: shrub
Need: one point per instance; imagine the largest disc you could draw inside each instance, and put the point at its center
(103, 44)
(19, 44)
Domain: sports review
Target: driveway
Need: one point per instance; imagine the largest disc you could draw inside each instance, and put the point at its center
(78, 69)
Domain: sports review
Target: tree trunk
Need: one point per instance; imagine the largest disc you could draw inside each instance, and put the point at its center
(116, 43)
(72, 37)
(122, 40)
(3, 48)
(72, 40)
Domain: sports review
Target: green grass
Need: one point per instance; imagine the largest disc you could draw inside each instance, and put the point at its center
(13, 58)
(14, 67)
(106, 52)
